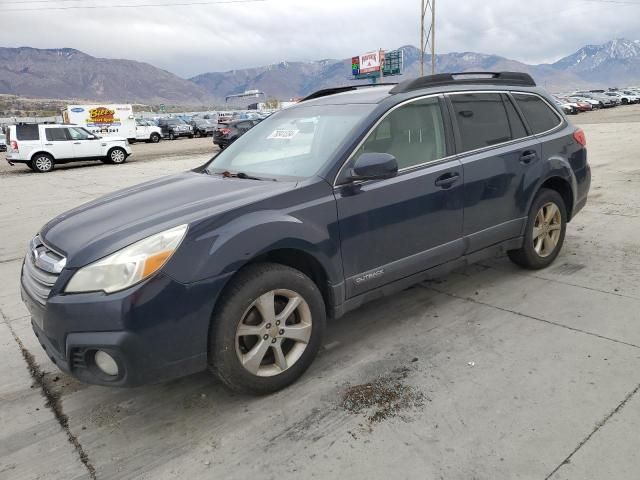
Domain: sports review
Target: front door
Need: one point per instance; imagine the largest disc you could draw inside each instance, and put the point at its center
(85, 145)
(59, 143)
(391, 229)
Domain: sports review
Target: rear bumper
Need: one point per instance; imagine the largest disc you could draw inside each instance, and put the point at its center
(155, 331)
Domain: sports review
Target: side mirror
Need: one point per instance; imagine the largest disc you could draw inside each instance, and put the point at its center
(374, 166)
(92, 137)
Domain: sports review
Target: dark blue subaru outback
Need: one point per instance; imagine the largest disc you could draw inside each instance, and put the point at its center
(354, 193)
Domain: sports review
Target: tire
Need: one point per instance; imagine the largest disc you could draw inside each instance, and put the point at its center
(197, 134)
(172, 136)
(117, 156)
(191, 136)
(131, 140)
(30, 165)
(540, 252)
(271, 372)
(154, 138)
(42, 163)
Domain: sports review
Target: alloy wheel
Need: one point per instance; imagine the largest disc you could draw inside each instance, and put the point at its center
(43, 164)
(117, 156)
(273, 333)
(547, 229)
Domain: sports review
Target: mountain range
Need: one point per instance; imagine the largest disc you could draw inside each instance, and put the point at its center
(71, 74)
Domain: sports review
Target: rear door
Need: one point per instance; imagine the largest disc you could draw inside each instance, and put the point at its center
(496, 152)
(58, 142)
(393, 228)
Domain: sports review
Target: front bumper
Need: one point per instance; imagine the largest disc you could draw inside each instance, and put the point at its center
(155, 331)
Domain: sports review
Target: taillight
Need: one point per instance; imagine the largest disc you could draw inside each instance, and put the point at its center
(580, 137)
(14, 145)
(225, 131)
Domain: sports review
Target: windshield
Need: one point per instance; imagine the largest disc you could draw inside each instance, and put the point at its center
(174, 121)
(292, 143)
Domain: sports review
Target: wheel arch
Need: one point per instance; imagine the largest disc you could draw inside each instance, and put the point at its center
(564, 188)
(40, 152)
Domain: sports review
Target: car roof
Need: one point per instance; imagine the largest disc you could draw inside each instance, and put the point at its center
(434, 84)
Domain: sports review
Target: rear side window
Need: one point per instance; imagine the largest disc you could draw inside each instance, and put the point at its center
(540, 116)
(484, 119)
(27, 132)
(56, 134)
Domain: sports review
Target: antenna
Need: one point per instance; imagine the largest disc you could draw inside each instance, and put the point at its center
(428, 36)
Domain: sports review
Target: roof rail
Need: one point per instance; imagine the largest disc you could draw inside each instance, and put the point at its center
(332, 91)
(494, 78)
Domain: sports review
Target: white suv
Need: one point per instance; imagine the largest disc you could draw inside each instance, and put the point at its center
(42, 146)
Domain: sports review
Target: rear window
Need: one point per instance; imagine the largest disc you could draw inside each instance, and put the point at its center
(484, 120)
(540, 116)
(56, 134)
(27, 132)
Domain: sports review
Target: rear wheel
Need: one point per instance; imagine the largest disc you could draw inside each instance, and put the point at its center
(42, 163)
(267, 329)
(546, 228)
(117, 156)
(197, 134)
(172, 136)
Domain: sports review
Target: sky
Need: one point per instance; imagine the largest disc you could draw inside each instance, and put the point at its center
(192, 39)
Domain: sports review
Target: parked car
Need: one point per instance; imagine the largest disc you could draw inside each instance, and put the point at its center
(3, 142)
(225, 135)
(603, 100)
(202, 127)
(352, 194)
(567, 108)
(42, 146)
(173, 128)
(148, 131)
(624, 98)
(583, 105)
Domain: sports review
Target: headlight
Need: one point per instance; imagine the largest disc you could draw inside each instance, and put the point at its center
(128, 266)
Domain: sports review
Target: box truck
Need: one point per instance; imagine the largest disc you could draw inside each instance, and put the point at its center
(112, 121)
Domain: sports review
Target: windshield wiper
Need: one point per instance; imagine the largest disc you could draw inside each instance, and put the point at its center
(241, 175)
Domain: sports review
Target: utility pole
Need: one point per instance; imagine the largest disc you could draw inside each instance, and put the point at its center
(428, 37)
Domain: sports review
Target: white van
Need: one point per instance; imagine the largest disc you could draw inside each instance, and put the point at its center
(114, 120)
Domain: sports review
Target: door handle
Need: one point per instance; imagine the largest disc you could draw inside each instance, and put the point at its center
(447, 180)
(527, 157)
(77, 143)
(48, 144)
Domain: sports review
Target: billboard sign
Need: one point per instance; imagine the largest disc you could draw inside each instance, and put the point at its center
(371, 62)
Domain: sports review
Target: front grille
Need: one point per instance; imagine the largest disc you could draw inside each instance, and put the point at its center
(42, 266)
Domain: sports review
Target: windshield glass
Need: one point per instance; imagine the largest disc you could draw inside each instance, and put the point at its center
(292, 143)
(174, 121)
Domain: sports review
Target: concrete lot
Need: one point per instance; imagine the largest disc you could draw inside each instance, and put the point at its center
(498, 373)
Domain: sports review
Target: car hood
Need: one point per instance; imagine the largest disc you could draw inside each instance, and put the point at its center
(107, 224)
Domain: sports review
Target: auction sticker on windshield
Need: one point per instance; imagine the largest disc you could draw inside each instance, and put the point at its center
(283, 134)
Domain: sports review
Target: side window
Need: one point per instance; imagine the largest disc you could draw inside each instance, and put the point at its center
(518, 129)
(413, 133)
(56, 134)
(540, 117)
(482, 120)
(27, 132)
(78, 134)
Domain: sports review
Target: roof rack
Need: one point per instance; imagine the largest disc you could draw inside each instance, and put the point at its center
(465, 78)
(332, 91)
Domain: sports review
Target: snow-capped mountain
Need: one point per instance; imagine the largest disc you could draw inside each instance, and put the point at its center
(615, 62)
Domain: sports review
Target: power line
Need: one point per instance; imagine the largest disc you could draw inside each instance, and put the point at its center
(75, 7)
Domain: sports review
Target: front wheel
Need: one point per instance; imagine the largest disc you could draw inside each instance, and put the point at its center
(172, 136)
(546, 228)
(117, 156)
(267, 329)
(154, 138)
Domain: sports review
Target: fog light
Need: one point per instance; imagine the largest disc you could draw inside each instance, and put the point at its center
(106, 363)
